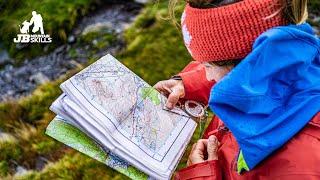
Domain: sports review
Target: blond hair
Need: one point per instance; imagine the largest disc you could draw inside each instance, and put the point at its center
(295, 11)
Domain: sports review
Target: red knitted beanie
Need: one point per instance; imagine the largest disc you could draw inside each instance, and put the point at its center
(228, 32)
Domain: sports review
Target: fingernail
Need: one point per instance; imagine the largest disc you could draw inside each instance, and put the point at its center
(169, 105)
(212, 139)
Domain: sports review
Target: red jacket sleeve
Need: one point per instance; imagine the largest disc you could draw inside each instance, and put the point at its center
(202, 171)
(197, 87)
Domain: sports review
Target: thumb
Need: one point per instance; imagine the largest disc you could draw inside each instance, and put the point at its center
(173, 98)
(212, 148)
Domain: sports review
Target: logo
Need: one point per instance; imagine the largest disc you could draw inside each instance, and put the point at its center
(37, 26)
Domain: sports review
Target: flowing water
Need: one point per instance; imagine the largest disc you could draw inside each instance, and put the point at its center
(21, 81)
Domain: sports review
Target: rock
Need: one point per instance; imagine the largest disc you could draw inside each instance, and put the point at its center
(8, 77)
(46, 48)
(76, 64)
(39, 78)
(20, 81)
(71, 39)
(41, 163)
(98, 27)
(77, 32)
(68, 48)
(95, 42)
(10, 92)
(6, 137)
(59, 49)
(316, 20)
(21, 45)
(22, 72)
(141, 1)
(4, 58)
(20, 170)
(8, 68)
(26, 61)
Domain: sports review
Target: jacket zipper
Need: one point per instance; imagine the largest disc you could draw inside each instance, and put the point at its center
(219, 129)
(223, 128)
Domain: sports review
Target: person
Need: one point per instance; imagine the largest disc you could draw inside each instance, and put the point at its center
(25, 28)
(257, 64)
(36, 20)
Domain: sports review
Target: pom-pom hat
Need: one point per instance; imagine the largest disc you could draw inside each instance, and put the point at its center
(228, 32)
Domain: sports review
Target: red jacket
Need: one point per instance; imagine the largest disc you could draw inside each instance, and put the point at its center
(298, 159)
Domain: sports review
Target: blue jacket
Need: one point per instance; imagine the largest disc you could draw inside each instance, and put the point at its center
(272, 93)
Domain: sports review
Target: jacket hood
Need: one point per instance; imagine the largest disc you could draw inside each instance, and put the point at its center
(272, 93)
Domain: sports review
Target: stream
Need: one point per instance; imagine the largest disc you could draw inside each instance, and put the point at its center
(113, 18)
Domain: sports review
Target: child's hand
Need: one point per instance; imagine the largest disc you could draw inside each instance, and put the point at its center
(172, 88)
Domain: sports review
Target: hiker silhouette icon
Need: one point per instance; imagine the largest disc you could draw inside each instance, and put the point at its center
(36, 23)
(36, 20)
(25, 27)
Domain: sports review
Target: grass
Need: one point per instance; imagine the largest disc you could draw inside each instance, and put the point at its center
(59, 17)
(4, 169)
(155, 51)
(155, 48)
(74, 166)
(29, 109)
(9, 147)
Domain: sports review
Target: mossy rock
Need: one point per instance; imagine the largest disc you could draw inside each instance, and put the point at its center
(154, 51)
(98, 39)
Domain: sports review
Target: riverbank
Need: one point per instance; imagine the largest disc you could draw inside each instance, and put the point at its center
(153, 49)
(152, 45)
(99, 33)
(59, 18)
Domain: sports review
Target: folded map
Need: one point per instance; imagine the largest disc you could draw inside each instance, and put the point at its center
(117, 118)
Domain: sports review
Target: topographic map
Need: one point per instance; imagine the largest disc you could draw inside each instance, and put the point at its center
(75, 138)
(135, 105)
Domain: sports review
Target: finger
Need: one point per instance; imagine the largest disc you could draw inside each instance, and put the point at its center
(162, 87)
(193, 146)
(189, 162)
(165, 84)
(212, 148)
(167, 89)
(173, 98)
(159, 86)
(201, 145)
(198, 153)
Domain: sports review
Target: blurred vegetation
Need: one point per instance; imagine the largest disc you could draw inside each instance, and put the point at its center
(155, 48)
(314, 6)
(74, 166)
(154, 51)
(96, 41)
(59, 17)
